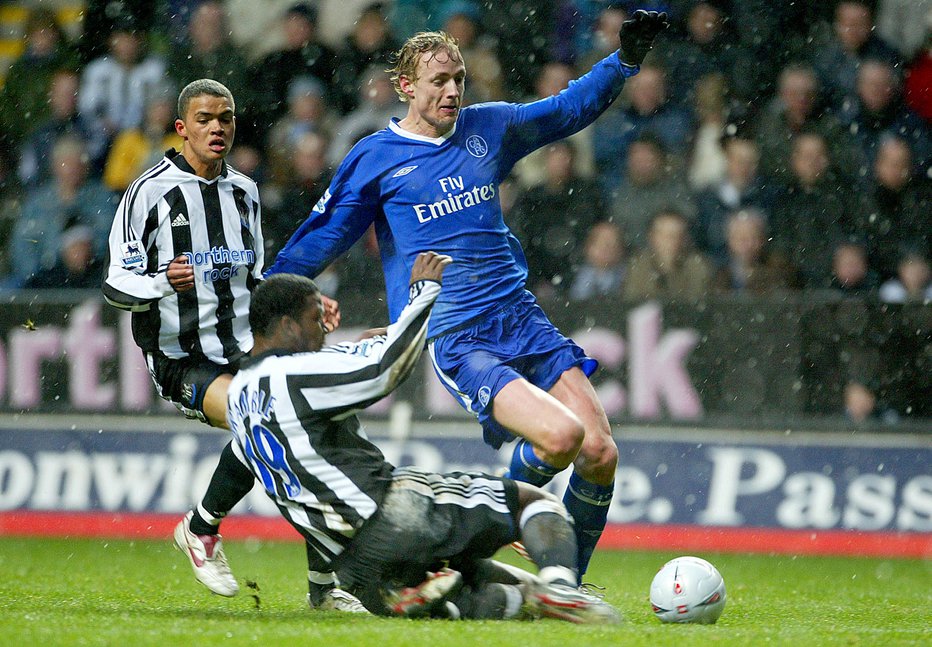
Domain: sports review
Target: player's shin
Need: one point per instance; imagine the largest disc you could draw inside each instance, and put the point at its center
(528, 468)
(231, 481)
(547, 535)
(588, 504)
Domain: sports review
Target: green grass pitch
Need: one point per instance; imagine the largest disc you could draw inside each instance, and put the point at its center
(106, 592)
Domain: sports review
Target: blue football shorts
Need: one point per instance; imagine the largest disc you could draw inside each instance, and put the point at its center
(476, 361)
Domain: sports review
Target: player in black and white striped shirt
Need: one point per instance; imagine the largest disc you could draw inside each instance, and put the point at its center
(379, 528)
(186, 252)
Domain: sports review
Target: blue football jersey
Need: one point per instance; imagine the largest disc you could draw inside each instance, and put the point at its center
(441, 194)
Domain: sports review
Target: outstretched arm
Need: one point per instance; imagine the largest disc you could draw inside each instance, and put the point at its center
(548, 120)
(360, 373)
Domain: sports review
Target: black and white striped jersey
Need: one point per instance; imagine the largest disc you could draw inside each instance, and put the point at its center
(293, 421)
(170, 211)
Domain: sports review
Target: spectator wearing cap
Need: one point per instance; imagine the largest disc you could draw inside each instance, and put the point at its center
(302, 55)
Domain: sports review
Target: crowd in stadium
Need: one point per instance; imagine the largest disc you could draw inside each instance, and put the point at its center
(762, 147)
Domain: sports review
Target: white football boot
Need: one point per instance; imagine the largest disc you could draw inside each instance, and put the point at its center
(205, 553)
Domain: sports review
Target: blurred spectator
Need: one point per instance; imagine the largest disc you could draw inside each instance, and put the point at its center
(810, 215)
(99, 18)
(913, 281)
(851, 275)
(249, 159)
(370, 42)
(360, 269)
(298, 190)
(648, 186)
(854, 41)
(24, 92)
(707, 159)
(668, 268)
(918, 87)
(898, 207)
(77, 268)
(860, 402)
(707, 47)
(751, 267)
(463, 21)
(523, 30)
(69, 199)
(604, 39)
(116, 87)
(902, 24)
(408, 17)
(647, 111)
(137, 149)
(302, 55)
(741, 187)
(796, 109)
(552, 79)
(36, 152)
(551, 219)
(877, 110)
(378, 103)
(10, 206)
(209, 53)
(307, 113)
(602, 272)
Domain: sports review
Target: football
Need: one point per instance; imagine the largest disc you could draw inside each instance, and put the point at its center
(688, 589)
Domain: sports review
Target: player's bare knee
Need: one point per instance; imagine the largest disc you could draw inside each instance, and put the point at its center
(566, 442)
(599, 459)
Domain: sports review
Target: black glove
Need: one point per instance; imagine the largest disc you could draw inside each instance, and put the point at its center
(637, 35)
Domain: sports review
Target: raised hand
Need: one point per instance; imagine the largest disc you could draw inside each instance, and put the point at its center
(637, 35)
(429, 266)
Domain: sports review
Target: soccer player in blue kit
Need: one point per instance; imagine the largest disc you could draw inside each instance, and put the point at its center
(430, 182)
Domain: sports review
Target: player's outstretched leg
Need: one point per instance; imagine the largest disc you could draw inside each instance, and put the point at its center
(548, 536)
(589, 493)
(205, 553)
(197, 534)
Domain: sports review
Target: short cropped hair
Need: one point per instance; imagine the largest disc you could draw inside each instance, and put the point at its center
(281, 295)
(407, 58)
(199, 88)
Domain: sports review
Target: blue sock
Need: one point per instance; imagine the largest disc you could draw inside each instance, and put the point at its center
(527, 467)
(588, 505)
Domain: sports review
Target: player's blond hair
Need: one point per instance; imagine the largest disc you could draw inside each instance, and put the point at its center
(407, 58)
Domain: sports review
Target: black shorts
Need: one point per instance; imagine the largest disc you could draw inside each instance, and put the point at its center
(183, 382)
(426, 520)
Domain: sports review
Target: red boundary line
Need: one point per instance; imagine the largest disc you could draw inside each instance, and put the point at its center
(616, 536)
